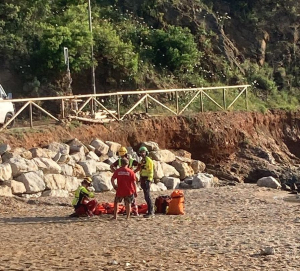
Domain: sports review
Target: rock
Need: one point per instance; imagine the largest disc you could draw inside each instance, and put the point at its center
(111, 160)
(183, 168)
(17, 187)
(5, 172)
(151, 146)
(21, 165)
(102, 166)
(270, 182)
(45, 153)
(184, 160)
(47, 165)
(56, 193)
(113, 146)
(203, 180)
(155, 187)
(72, 183)
(33, 195)
(161, 186)
(22, 152)
(101, 181)
(100, 146)
(77, 146)
(267, 251)
(66, 170)
(62, 148)
(5, 191)
(171, 182)
(93, 156)
(4, 148)
(55, 181)
(33, 181)
(158, 172)
(78, 157)
(78, 171)
(162, 156)
(89, 167)
(169, 171)
(197, 166)
(182, 153)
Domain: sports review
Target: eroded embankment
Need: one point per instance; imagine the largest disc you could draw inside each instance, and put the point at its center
(211, 137)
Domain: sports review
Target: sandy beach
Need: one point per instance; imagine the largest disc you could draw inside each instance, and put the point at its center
(224, 228)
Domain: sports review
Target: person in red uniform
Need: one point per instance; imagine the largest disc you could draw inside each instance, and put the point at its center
(125, 187)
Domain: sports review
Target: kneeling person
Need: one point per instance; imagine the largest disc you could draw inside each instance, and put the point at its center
(125, 187)
(82, 203)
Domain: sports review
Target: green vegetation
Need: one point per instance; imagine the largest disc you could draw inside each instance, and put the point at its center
(155, 44)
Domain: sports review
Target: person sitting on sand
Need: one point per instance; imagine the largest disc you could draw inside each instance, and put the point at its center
(125, 188)
(82, 204)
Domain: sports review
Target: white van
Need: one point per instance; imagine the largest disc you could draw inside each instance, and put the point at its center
(7, 109)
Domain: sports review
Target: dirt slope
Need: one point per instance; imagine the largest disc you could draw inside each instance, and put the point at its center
(221, 138)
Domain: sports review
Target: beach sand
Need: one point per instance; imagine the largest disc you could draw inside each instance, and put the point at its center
(224, 228)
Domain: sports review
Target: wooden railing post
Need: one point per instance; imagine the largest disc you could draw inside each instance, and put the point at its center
(30, 114)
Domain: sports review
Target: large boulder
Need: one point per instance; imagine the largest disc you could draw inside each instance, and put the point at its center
(89, 167)
(93, 156)
(62, 148)
(113, 146)
(202, 180)
(101, 181)
(171, 182)
(72, 183)
(270, 182)
(162, 156)
(102, 166)
(169, 171)
(4, 148)
(55, 181)
(33, 181)
(100, 147)
(39, 152)
(183, 168)
(78, 171)
(47, 165)
(197, 166)
(59, 193)
(77, 146)
(5, 172)
(5, 191)
(158, 172)
(151, 146)
(21, 165)
(17, 187)
(66, 170)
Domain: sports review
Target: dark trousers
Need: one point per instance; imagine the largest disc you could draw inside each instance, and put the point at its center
(145, 184)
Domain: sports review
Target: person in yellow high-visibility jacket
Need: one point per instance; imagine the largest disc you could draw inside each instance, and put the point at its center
(146, 178)
(82, 203)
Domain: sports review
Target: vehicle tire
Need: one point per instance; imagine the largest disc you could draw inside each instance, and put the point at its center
(7, 118)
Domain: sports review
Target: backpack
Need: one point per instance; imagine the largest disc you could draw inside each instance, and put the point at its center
(161, 204)
(176, 205)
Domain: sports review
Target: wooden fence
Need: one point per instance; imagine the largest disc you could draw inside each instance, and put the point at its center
(91, 101)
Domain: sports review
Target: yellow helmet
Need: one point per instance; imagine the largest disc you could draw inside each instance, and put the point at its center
(122, 151)
(88, 180)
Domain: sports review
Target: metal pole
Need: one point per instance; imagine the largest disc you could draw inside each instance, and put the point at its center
(92, 54)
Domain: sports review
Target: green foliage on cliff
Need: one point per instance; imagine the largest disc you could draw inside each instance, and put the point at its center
(152, 44)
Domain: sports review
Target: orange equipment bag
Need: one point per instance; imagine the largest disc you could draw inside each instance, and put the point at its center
(176, 205)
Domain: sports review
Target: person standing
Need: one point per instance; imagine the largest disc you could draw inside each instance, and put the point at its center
(131, 164)
(146, 178)
(82, 203)
(125, 187)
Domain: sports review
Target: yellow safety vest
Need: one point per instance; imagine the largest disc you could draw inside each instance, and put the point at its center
(147, 168)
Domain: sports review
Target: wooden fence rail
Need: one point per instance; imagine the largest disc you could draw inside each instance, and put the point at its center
(145, 95)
